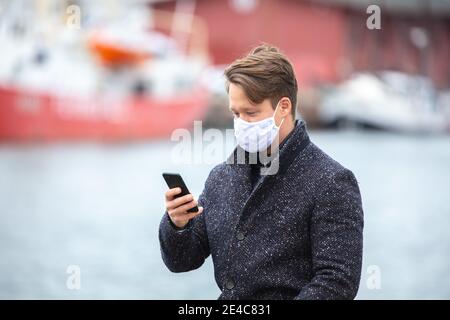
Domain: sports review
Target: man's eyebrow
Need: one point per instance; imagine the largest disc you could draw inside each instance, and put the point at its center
(244, 108)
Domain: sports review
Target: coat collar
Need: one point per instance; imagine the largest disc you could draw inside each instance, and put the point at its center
(239, 163)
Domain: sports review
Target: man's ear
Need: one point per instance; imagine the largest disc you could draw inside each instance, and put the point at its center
(285, 106)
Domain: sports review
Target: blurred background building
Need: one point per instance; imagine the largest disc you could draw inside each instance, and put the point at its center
(91, 91)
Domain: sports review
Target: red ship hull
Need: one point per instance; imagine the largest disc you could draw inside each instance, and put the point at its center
(28, 116)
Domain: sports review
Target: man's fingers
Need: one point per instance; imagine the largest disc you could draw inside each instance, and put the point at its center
(184, 217)
(171, 193)
(194, 214)
(175, 203)
(182, 210)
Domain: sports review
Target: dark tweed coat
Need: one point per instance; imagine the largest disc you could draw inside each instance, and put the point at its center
(297, 235)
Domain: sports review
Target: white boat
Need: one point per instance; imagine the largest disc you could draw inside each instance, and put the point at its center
(387, 100)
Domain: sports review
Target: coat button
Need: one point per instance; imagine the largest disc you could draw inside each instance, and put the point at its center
(229, 284)
(240, 236)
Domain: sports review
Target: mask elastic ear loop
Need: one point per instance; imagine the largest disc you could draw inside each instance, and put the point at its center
(282, 120)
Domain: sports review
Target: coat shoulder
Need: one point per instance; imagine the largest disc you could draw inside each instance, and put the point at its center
(323, 167)
(217, 170)
(216, 174)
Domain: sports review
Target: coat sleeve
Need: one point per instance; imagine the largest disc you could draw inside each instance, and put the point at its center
(185, 249)
(336, 241)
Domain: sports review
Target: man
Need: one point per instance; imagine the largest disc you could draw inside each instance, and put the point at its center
(295, 233)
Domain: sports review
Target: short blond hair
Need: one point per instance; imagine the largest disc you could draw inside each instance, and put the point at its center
(264, 73)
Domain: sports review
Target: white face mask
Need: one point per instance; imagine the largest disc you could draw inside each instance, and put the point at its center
(256, 136)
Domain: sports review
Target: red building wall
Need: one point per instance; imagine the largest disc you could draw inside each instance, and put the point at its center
(326, 43)
(311, 36)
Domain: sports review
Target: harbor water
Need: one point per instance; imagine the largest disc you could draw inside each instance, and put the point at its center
(97, 206)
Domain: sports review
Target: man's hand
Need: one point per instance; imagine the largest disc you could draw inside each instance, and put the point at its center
(177, 207)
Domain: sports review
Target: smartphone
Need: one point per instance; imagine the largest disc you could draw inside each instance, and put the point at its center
(174, 180)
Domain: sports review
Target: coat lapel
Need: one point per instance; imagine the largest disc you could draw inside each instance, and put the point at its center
(238, 163)
(241, 185)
